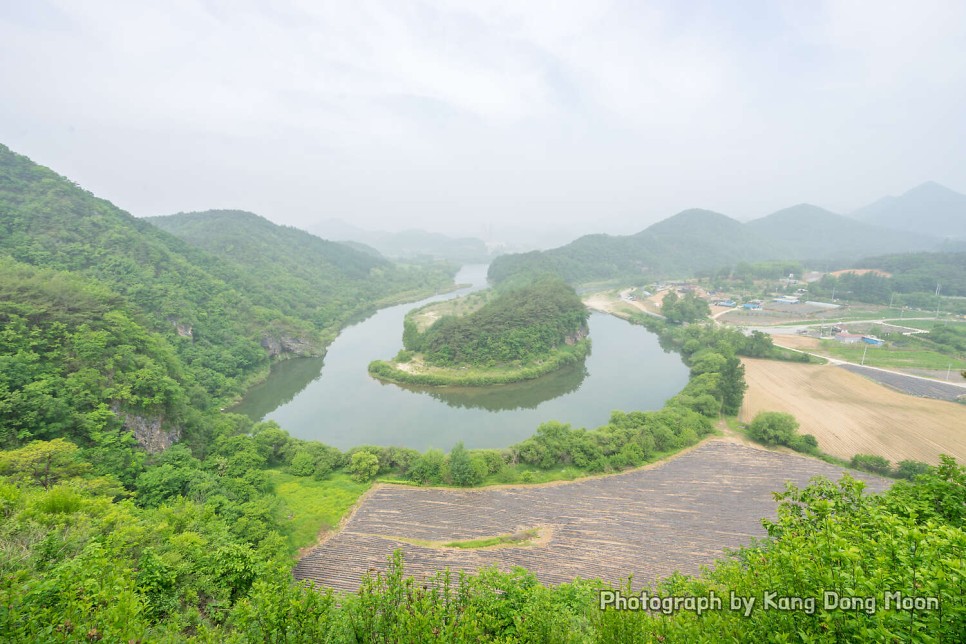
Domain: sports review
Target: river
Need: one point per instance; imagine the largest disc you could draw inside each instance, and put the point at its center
(335, 401)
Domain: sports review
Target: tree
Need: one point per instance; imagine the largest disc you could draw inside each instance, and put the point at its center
(363, 466)
(44, 462)
(732, 386)
(465, 470)
(773, 428)
(872, 463)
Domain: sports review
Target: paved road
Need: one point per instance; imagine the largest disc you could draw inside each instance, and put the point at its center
(909, 384)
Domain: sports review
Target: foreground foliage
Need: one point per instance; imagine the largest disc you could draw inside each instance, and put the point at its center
(83, 562)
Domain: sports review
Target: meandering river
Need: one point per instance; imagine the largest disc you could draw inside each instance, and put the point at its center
(334, 400)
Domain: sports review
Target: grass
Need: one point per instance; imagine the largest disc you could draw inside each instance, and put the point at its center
(891, 357)
(309, 506)
(517, 539)
(926, 324)
(425, 316)
(415, 370)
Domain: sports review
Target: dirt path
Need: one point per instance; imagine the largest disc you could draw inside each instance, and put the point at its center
(849, 414)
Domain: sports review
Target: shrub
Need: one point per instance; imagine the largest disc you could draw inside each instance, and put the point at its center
(872, 463)
(773, 428)
(466, 469)
(911, 469)
(363, 466)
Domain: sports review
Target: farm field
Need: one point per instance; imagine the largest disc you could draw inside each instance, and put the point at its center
(890, 357)
(850, 414)
(677, 515)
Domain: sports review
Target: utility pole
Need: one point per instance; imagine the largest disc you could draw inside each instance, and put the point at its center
(938, 300)
(865, 351)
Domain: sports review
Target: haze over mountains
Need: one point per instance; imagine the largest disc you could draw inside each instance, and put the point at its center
(930, 208)
(927, 218)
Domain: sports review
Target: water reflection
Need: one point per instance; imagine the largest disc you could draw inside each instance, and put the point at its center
(521, 395)
(286, 380)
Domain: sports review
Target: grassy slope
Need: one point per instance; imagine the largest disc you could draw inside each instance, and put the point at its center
(308, 506)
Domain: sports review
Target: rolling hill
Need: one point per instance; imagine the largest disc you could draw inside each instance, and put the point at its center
(810, 232)
(225, 317)
(321, 281)
(699, 240)
(930, 208)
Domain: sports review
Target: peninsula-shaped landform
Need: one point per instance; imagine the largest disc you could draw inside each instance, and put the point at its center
(518, 331)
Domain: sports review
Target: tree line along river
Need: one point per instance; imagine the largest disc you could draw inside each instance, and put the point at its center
(335, 401)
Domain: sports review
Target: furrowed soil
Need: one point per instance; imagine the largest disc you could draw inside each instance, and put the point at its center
(677, 515)
(849, 414)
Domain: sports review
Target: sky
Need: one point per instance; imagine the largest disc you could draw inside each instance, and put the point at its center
(471, 117)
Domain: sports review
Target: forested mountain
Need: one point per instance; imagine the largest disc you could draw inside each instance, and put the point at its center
(810, 232)
(922, 272)
(930, 209)
(216, 322)
(700, 240)
(296, 272)
(49, 222)
(689, 241)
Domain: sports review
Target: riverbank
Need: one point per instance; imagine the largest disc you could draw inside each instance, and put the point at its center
(416, 372)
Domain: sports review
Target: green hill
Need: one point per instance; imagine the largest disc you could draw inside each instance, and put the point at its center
(689, 241)
(324, 282)
(700, 240)
(810, 232)
(225, 316)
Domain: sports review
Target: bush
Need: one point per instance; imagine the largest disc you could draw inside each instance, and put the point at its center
(363, 466)
(466, 469)
(428, 468)
(872, 463)
(774, 428)
(911, 469)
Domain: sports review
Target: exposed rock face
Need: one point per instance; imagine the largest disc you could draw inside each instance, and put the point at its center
(574, 338)
(286, 344)
(184, 330)
(149, 432)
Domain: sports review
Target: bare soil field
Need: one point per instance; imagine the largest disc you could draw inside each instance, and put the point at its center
(677, 515)
(800, 342)
(849, 414)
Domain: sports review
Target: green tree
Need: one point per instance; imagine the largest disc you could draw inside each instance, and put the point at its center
(363, 466)
(44, 463)
(732, 386)
(773, 428)
(872, 463)
(465, 469)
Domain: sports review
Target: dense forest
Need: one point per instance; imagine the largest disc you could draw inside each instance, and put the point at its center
(525, 321)
(324, 282)
(224, 316)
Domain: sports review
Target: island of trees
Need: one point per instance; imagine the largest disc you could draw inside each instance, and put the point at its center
(526, 329)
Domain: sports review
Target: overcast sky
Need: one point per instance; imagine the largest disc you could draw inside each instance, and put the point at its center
(590, 115)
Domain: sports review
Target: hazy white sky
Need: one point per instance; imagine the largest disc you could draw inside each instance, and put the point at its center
(456, 115)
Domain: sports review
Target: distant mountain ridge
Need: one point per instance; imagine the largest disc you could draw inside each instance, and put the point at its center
(929, 208)
(810, 232)
(696, 240)
(407, 244)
